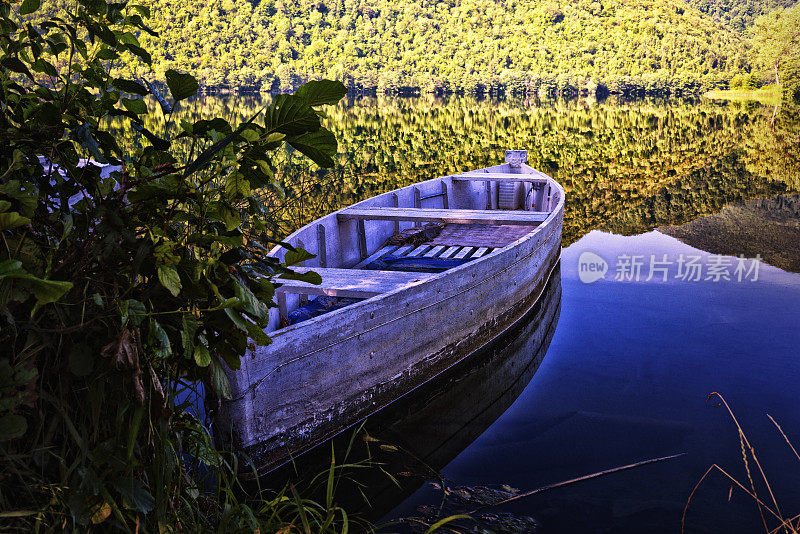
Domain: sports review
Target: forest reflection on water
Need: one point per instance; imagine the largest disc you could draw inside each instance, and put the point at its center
(627, 167)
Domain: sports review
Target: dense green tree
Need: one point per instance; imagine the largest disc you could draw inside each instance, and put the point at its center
(738, 15)
(776, 40)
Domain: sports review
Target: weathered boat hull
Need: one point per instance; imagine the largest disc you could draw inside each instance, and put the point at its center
(439, 419)
(325, 374)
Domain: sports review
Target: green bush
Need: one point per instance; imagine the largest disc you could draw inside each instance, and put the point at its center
(122, 286)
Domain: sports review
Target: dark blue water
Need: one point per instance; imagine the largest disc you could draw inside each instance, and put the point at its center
(626, 378)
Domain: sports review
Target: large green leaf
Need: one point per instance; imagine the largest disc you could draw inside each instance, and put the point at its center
(181, 86)
(208, 154)
(321, 92)
(11, 220)
(26, 196)
(162, 346)
(157, 142)
(253, 330)
(219, 380)
(137, 106)
(9, 267)
(134, 493)
(170, 279)
(202, 356)
(132, 311)
(319, 146)
(296, 256)
(29, 6)
(84, 134)
(310, 277)
(236, 186)
(290, 115)
(143, 54)
(45, 291)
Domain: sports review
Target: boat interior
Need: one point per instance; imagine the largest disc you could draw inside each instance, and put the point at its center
(400, 238)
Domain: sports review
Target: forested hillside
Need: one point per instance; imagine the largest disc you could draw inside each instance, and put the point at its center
(633, 47)
(738, 15)
(461, 45)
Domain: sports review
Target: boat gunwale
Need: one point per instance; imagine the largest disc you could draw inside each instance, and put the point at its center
(559, 207)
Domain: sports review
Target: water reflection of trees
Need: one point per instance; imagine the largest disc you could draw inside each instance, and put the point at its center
(626, 167)
(774, 151)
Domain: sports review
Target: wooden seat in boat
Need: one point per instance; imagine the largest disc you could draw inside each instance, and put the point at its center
(494, 217)
(351, 283)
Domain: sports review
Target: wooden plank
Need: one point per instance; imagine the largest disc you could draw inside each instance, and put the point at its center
(496, 217)
(434, 251)
(480, 252)
(499, 177)
(402, 251)
(419, 251)
(322, 249)
(417, 204)
(464, 253)
(377, 255)
(283, 313)
(480, 235)
(396, 204)
(349, 283)
(362, 239)
(449, 252)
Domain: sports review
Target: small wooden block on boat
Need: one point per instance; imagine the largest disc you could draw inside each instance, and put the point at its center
(464, 253)
(434, 251)
(449, 252)
(480, 252)
(499, 177)
(351, 283)
(377, 255)
(418, 251)
(402, 251)
(494, 217)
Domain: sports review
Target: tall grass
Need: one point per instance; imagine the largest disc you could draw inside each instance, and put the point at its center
(772, 518)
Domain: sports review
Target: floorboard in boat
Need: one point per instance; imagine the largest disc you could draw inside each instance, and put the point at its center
(480, 235)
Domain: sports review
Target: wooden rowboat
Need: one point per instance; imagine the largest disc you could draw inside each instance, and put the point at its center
(401, 314)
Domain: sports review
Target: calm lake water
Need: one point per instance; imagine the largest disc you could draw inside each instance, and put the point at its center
(625, 369)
